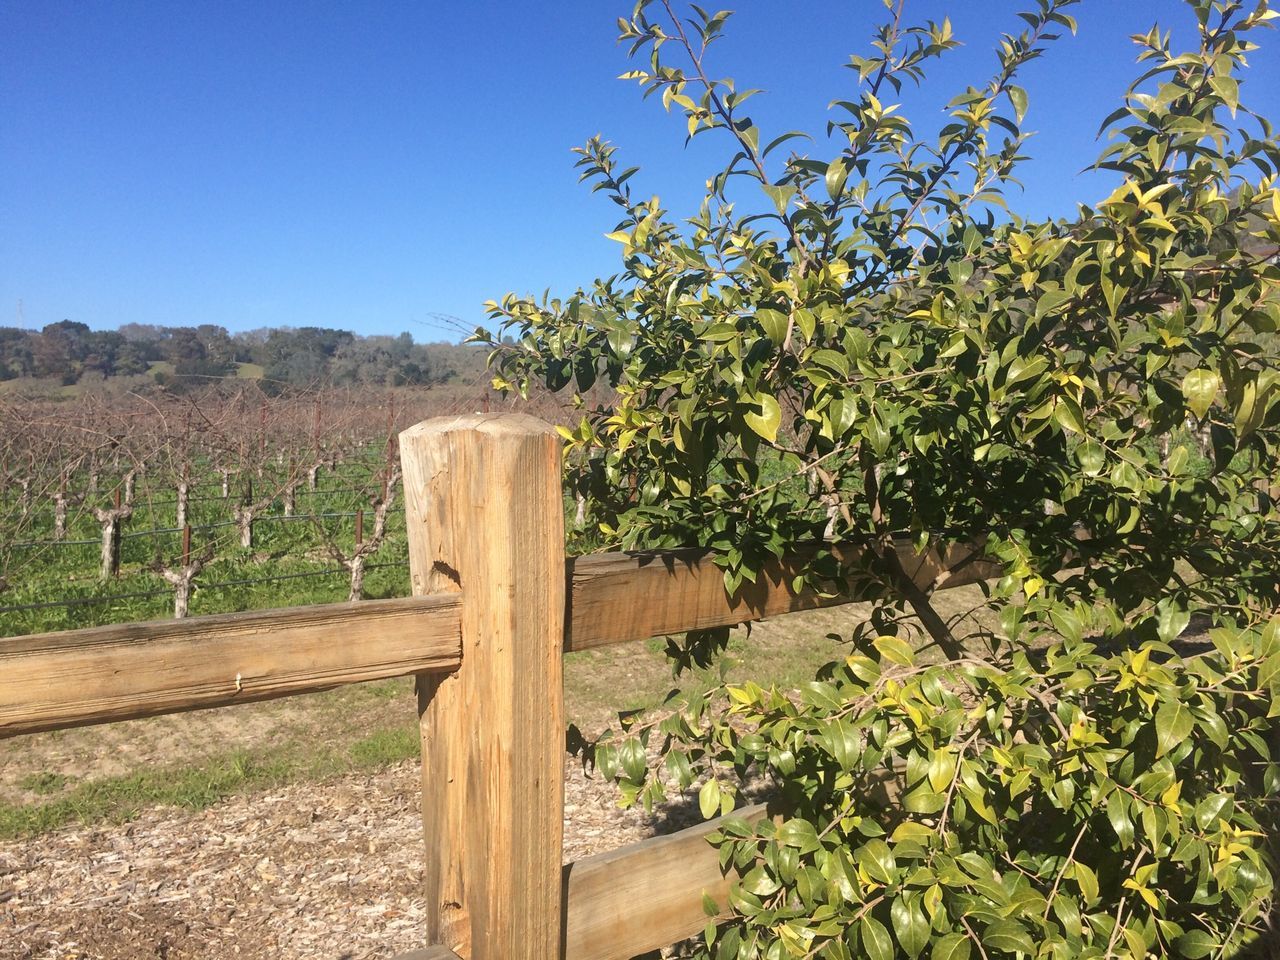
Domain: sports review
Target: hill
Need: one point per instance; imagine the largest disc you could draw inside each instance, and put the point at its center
(67, 355)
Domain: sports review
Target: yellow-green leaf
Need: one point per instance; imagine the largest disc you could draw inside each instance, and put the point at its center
(709, 799)
(766, 422)
(1200, 387)
(899, 651)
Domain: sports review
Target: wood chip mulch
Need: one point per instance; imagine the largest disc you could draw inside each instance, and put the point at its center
(314, 870)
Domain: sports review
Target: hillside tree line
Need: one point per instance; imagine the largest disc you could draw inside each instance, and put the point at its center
(69, 352)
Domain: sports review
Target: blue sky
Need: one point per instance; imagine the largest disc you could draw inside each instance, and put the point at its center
(369, 165)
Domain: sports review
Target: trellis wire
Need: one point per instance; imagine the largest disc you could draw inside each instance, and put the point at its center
(270, 518)
(78, 601)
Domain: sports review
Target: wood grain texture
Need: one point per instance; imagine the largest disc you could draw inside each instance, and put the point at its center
(485, 515)
(617, 597)
(644, 896)
(121, 672)
(648, 895)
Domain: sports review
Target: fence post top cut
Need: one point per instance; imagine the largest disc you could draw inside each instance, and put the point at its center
(492, 424)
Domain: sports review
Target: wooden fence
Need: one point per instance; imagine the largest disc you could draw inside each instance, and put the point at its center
(495, 606)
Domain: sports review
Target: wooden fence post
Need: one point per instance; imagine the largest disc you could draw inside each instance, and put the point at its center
(486, 516)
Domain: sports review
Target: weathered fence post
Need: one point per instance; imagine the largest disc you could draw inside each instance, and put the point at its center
(486, 516)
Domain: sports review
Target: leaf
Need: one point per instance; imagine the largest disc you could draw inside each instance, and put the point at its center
(822, 695)
(1064, 906)
(1174, 724)
(875, 939)
(942, 770)
(1092, 458)
(766, 422)
(837, 174)
(911, 830)
(1017, 97)
(843, 743)
(1119, 817)
(1195, 944)
(709, 799)
(633, 760)
(1009, 936)
(1086, 880)
(780, 196)
(896, 650)
(760, 882)
(773, 323)
(954, 946)
(1200, 387)
(1228, 89)
(910, 925)
(1171, 622)
(877, 860)
(800, 834)
(1068, 416)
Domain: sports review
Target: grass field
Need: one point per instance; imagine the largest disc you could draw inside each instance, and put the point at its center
(40, 572)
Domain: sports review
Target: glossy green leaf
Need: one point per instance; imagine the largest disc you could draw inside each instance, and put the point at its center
(1200, 387)
(1174, 724)
(709, 799)
(766, 422)
(953, 946)
(909, 925)
(895, 650)
(876, 941)
(1008, 936)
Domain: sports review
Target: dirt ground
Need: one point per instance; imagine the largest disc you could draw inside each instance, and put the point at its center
(314, 870)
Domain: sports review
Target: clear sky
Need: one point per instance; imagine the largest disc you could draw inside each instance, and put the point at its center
(369, 165)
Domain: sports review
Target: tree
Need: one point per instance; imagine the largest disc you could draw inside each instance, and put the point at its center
(16, 359)
(60, 349)
(869, 345)
(363, 548)
(300, 356)
(182, 574)
(112, 520)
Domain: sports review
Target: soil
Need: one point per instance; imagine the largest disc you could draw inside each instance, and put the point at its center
(313, 870)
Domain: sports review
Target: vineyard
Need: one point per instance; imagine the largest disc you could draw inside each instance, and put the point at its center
(1033, 461)
(167, 506)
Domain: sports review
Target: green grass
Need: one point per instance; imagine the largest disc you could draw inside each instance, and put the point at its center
(196, 786)
(382, 748)
(44, 782)
(249, 371)
(68, 571)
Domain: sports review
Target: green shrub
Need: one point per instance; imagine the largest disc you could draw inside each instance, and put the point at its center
(870, 345)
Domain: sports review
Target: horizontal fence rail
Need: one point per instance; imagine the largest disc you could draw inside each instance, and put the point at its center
(684, 590)
(645, 895)
(123, 672)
